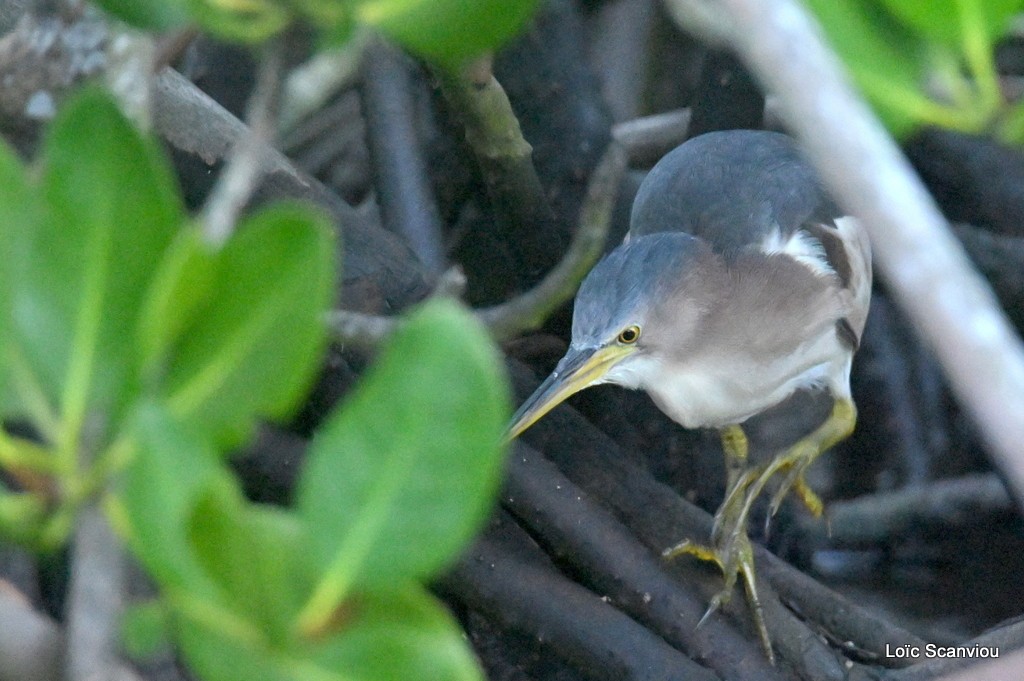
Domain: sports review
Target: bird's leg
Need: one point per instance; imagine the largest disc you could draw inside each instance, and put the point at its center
(735, 556)
(795, 461)
(834, 430)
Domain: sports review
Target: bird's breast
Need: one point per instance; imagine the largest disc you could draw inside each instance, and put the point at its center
(712, 392)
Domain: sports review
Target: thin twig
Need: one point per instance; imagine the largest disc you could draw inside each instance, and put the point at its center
(926, 268)
(311, 85)
(95, 601)
(245, 167)
(648, 138)
(528, 311)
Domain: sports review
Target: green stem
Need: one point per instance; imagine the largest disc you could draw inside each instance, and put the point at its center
(977, 47)
(19, 454)
(915, 105)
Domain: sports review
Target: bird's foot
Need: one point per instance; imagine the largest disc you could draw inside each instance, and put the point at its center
(735, 560)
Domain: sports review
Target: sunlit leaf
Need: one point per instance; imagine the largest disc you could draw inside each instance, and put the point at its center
(406, 470)
(256, 343)
(447, 32)
(150, 14)
(82, 268)
(255, 554)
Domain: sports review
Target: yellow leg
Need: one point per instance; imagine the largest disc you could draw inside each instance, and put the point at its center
(834, 430)
(731, 549)
(735, 557)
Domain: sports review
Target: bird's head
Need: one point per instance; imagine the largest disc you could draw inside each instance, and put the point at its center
(641, 303)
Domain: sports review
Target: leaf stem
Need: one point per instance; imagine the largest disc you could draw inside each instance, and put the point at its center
(977, 47)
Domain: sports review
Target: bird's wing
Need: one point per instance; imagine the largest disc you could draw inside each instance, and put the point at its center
(838, 248)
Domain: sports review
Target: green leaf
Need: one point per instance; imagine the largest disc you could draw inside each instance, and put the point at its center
(181, 285)
(885, 59)
(22, 516)
(157, 15)
(171, 470)
(249, 21)
(145, 630)
(448, 32)
(402, 475)
(255, 554)
(255, 345)
(400, 634)
(22, 210)
(81, 269)
(942, 20)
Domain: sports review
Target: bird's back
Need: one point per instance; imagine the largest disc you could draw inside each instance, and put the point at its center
(732, 189)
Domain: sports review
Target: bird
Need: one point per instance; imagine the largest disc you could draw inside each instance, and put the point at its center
(739, 282)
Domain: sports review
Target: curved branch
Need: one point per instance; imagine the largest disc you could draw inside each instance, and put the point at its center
(528, 311)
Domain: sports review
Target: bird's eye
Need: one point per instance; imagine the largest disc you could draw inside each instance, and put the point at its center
(630, 335)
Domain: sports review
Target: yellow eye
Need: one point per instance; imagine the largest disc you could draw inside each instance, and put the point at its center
(630, 335)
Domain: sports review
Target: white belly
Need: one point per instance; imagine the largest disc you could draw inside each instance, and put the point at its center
(709, 392)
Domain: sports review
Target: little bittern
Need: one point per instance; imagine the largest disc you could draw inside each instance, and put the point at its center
(739, 283)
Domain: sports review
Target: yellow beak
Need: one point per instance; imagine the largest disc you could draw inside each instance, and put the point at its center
(579, 369)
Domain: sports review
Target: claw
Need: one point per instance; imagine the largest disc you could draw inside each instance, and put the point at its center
(730, 547)
(718, 600)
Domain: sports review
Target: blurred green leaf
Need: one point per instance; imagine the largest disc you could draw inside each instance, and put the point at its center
(941, 20)
(255, 554)
(145, 629)
(22, 516)
(405, 471)
(401, 634)
(172, 468)
(157, 15)
(447, 32)
(181, 284)
(248, 21)
(22, 210)
(255, 344)
(81, 269)
(885, 59)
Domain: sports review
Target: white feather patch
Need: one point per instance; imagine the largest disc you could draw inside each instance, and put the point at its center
(800, 246)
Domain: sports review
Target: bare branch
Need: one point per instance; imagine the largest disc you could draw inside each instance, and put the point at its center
(95, 600)
(648, 138)
(528, 311)
(946, 503)
(926, 268)
(241, 175)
